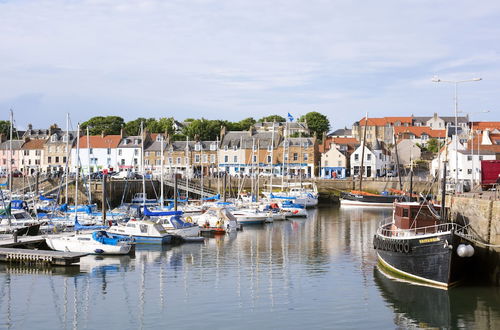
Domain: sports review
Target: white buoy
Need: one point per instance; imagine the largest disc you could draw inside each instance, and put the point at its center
(470, 250)
(462, 251)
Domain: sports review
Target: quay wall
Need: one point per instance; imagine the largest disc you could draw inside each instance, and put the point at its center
(482, 213)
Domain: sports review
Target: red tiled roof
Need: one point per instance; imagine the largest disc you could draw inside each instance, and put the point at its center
(495, 146)
(34, 144)
(420, 130)
(482, 125)
(345, 140)
(98, 141)
(386, 120)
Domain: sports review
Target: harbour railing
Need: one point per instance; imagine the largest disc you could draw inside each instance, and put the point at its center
(388, 229)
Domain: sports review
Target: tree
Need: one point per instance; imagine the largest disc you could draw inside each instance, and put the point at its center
(433, 145)
(162, 125)
(203, 129)
(271, 118)
(317, 122)
(107, 125)
(133, 127)
(5, 129)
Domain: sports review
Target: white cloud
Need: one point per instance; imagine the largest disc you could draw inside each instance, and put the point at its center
(237, 58)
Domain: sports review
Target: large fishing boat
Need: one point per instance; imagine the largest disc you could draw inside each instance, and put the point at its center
(418, 244)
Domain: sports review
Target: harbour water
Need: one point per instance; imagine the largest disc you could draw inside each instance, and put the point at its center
(314, 273)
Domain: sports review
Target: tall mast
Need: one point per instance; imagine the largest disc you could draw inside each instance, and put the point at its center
(187, 167)
(162, 161)
(272, 160)
(283, 165)
(201, 162)
(77, 177)
(67, 158)
(88, 158)
(142, 166)
(363, 144)
(10, 152)
(397, 161)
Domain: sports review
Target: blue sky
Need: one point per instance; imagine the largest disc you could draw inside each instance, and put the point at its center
(234, 59)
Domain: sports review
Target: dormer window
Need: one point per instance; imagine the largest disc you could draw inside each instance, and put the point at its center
(197, 147)
(125, 142)
(235, 148)
(137, 141)
(225, 148)
(53, 138)
(213, 146)
(254, 147)
(159, 138)
(65, 138)
(270, 148)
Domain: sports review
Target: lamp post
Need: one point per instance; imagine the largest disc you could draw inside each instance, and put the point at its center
(472, 143)
(455, 83)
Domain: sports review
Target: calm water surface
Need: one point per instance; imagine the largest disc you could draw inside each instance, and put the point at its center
(315, 273)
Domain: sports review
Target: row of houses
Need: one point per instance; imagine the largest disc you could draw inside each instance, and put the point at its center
(267, 148)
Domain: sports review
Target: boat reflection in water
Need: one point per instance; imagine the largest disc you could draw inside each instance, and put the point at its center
(432, 307)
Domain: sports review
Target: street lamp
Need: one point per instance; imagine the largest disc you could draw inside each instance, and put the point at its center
(472, 142)
(455, 82)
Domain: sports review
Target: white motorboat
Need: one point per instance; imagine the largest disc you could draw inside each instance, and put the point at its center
(217, 218)
(142, 231)
(173, 222)
(98, 242)
(247, 216)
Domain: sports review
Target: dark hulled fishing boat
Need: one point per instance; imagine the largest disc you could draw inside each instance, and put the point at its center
(361, 198)
(417, 244)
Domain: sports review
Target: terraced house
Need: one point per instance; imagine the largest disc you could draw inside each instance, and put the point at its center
(32, 155)
(57, 150)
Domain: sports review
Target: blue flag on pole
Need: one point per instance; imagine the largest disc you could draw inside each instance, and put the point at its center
(290, 117)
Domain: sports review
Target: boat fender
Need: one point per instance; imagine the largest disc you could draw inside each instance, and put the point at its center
(189, 219)
(375, 242)
(99, 251)
(406, 247)
(401, 247)
(465, 250)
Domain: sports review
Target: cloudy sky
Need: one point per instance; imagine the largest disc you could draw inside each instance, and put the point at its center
(233, 59)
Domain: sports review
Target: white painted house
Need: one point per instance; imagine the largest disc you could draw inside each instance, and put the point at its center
(97, 152)
(376, 163)
(333, 164)
(129, 153)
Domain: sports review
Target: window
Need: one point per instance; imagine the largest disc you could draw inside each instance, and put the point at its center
(205, 158)
(380, 156)
(119, 152)
(135, 161)
(196, 158)
(295, 156)
(53, 138)
(197, 147)
(254, 147)
(480, 157)
(368, 157)
(225, 148)
(65, 137)
(57, 159)
(469, 158)
(159, 137)
(146, 161)
(137, 141)
(108, 161)
(64, 159)
(356, 157)
(157, 154)
(122, 162)
(235, 159)
(91, 150)
(213, 147)
(286, 157)
(469, 171)
(186, 160)
(270, 148)
(212, 158)
(147, 153)
(226, 159)
(178, 160)
(405, 213)
(306, 156)
(170, 160)
(136, 152)
(158, 162)
(235, 148)
(49, 160)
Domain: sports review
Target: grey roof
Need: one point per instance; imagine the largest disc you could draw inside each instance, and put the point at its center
(341, 132)
(16, 145)
(299, 141)
(447, 119)
(132, 142)
(60, 134)
(243, 139)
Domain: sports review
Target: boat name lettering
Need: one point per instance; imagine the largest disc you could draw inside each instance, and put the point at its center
(429, 240)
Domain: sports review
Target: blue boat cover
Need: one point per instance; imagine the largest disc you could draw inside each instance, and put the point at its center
(78, 226)
(211, 198)
(160, 213)
(291, 204)
(43, 198)
(102, 237)
(177, 223)
(282, 197)
(17, 204)
(6, 183)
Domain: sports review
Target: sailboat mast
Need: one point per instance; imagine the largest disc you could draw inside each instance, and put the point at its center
(67, 158)
(363, 144)
(88, 158)
(10, 152)
(77, 166)
(397, 161)
(162, 162)
(201, 162)
(142, 167)
(272, 161)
